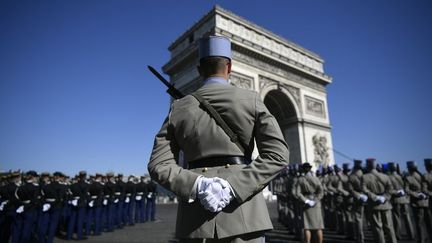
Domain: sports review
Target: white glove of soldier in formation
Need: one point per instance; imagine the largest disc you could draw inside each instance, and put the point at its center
(401, 192)
(74, 202)
(105, 202)
(214, 193)
(20, 209)
(46, 207)
(138, 198)
(363, 198)
(380, 199)
(311, 203)
(91, 203)
(127, 200)
(421, 196)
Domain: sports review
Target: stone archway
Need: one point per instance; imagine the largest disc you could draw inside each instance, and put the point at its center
(282, 108)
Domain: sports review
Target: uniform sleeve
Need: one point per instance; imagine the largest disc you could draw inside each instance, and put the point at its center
(319, 190)
(341, 189)
(368, 192)
(298, 191)
(351, 187)
(273, 156)
(388, 188)
(163, 167)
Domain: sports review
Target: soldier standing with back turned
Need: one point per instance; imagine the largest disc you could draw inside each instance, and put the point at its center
(230, 207)
(378, 188)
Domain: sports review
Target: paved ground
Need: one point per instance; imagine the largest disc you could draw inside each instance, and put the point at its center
(163, 230)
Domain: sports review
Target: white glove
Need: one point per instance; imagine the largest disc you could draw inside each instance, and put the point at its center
(214, 193)
(150, 195)
(380, 199)
(401, 192)
(2, 205)
(46, 207)
(74, 202)
(363, 198)
(138, 198)
(116, 200)
(127, 200)
(421, 196)
(311, 203)
(91, 203)
(105, 202)
(20, 209)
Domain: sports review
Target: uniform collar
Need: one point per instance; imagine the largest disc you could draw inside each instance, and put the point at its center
(215, 80)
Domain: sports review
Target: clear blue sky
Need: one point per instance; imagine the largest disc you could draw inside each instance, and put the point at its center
(75, 92)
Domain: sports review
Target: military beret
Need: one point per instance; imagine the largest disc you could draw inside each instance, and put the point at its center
(214, 46)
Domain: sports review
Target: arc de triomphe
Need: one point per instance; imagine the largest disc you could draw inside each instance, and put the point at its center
(289, 78)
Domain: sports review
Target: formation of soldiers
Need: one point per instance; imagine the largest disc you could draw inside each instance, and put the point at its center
(36, 208)
(393, 204)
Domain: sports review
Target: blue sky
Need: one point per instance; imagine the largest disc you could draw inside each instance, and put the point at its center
(75, 92)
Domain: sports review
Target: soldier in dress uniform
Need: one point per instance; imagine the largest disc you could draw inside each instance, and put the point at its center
(229, 204)
(9, 204)
(400, 202)
(109, 192)
(79, 191)
(129, 201)
(416, 189)
(141, 194)
(336, 200)
(356, 190)
(151, 200)
(119, 197)
(348, 201)
(310, 192)
(28, 203)
(378, 188)
(94, 205)
(52, 200)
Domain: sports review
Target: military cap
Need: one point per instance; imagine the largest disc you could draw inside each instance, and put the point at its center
(336, 168)
(120, 175)
(358, 163)
(214, 46)
(98, 175)
(370, 162)
(346, 167)
(82, 173)
(411, 165)
(14, 174)
(32, 173)
(110, 174)
(45, 174)
(391, 166)
(306, 165)
(330, 169)
(428, 161)
(58, 173)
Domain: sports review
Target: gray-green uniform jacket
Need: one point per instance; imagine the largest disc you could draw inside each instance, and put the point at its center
(415, 185)
(377, 184)
(191, 129)
(398, 184)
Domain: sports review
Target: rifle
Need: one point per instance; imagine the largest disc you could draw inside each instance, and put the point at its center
(175, 93)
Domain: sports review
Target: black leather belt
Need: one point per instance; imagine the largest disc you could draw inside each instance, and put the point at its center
(218, 161)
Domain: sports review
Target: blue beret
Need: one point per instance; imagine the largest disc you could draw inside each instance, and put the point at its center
(214, 46)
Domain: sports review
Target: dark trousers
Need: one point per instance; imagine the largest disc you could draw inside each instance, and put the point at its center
(93, 219)
(140, 210)
(23, 227)
(150, 209)
(76, 222)
(6, 226)
(119, 214)
(401, 214)
(48, 222)
(421, 217)
(128, 212)
(111, 216)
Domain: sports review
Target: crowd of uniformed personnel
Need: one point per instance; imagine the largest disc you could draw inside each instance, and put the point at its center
(393, 204)
(36, 208)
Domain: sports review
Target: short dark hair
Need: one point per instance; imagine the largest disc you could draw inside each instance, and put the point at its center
(213, 65)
